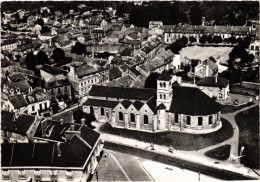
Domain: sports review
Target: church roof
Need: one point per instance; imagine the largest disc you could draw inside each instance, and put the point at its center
(126, 103)
(161, 107)
(165, 76)
(103, 103)
(192, 101)
(138, 105)
(121, 92)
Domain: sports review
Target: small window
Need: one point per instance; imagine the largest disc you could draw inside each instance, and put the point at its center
(199, 121)
(164, 97)
(164, 84)
(146, 119)
(91, 110)
(176, 118)
(210, 120)
(120, 116)
(102, 111)
(188, 120)
(160, 96)
(33, 108)
(132, 118)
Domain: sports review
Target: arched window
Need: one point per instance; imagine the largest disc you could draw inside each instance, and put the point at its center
(164, 97)
(160, 84)
(164, 84)
(160, 96)
(145, 119)
(132, 117)
(188, 120)
(91, 110)
(199, 121)
(210, 120)
(102, 111)
(120, 116)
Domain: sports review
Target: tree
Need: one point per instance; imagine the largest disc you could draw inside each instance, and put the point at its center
(203, 39)
(39, 21)
(196, 15)
(232, 39)
(217, 39)
(184, 40)
(209, 39)
(79, 49)
(58, 55)
(175, 47)
(30, 61)
(192, 40)
(151, 81)
(42, 58)
(175, 13)
(78, 115)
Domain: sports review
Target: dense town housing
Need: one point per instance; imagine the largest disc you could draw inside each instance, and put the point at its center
(77, 76)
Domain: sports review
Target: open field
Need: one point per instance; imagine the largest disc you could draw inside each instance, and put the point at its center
(180, 141)
(202, 53)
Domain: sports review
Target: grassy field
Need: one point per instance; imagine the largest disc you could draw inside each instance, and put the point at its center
(230, 109)
(249, 136)
(244, 90)
(203, 53)
(180, 141)
(220, 153)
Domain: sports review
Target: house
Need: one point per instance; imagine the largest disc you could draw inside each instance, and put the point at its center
(215, 87)
(169, 107)
(73, 160)
(83, 76)
(38, 102)
(155, 24)
(18, 128)
(16, 103)
(254, 49)
(6, 66)
(207, 68)
(56, 83)
(8, 44)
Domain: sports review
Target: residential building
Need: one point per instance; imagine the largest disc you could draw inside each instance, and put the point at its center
(73, 160)
(215, 87)
(170, 107)
(56, 83)
(18, 128)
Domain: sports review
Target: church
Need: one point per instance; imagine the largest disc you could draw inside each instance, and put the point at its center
(169, 107)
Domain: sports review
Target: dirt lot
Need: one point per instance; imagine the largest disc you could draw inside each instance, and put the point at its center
(202, 53)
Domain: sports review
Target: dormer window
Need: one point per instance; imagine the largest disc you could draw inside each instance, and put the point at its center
(53, 175)
(21, 174)
(11, 91)
(37, 174)
(5, 174)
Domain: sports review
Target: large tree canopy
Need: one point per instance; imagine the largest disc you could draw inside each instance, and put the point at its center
(42, 58)
(151, 81)
(196, 15)
(58, 55)
(79, 49)
(30, 61)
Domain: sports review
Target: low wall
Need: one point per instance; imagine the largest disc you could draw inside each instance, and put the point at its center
(171, 160)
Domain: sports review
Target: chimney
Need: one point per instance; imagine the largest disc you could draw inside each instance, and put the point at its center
(216, 78)
(207, 70)
(58, 149)
(72, 127)
(83, 121)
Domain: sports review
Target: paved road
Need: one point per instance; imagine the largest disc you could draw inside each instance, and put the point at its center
(120, 167)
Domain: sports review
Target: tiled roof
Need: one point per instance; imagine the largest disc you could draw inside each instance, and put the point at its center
(73, 154)
(52, 70)
(17, 77)
(211, 81)
(18, 101)
(103, 103)
(192, 101)
(138, 105)
(85, 70)
(22, 85)
(120, 92)
(19, 125)
(114, 73)
(137, 73)
(5, 63)
(126, 103)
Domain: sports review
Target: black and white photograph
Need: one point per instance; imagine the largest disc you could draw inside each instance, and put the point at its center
(130, 91)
